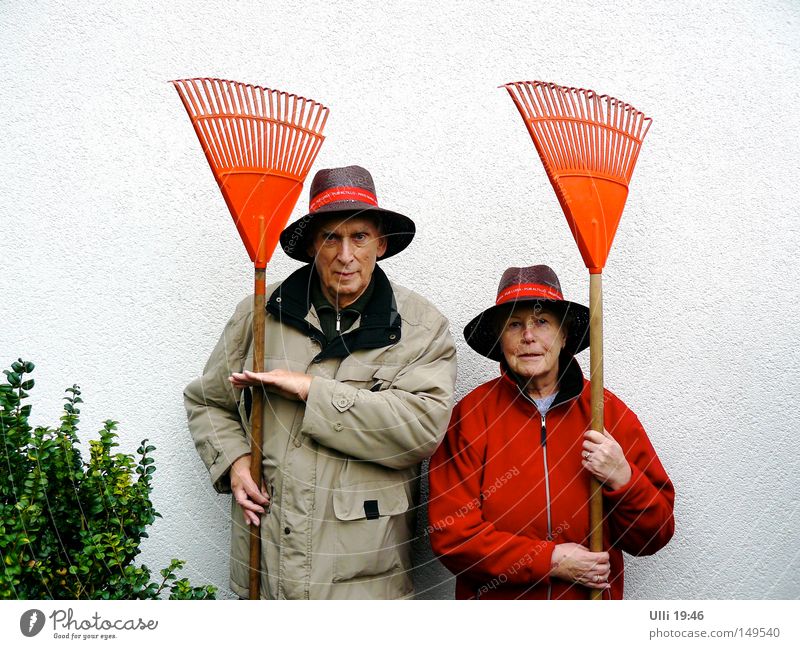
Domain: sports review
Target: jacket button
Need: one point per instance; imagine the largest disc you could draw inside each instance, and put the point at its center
(286, 530)
(338, 426)
(297, 442)
(342, 403)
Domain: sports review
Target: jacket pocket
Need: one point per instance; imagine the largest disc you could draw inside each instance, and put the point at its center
(367, 376)
(386, 375)
(356, 374)
(372, 535)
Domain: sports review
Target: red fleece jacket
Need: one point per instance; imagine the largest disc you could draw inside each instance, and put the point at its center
(488, 509)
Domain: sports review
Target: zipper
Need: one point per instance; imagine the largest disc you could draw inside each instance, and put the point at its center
(338, 322)
(543, 442)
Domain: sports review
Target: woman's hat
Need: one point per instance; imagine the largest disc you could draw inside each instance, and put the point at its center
(345, 192)
(530, 284)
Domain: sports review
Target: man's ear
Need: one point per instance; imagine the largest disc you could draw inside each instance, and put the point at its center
(382, 245)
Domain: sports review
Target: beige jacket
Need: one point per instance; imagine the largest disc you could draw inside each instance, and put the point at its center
(343, 467)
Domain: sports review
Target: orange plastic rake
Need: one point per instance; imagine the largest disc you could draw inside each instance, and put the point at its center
(260, 144)
(588, 144)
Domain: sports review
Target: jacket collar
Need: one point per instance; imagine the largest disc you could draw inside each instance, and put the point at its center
(321, 303)
(380, 324)
(570, 385)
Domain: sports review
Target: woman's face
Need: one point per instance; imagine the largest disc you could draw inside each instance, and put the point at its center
(531, 339)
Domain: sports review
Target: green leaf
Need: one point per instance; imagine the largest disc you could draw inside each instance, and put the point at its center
(71, 529)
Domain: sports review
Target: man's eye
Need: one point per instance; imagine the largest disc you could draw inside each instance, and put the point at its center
(360, 237)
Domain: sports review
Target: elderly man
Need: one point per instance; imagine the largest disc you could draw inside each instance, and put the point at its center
(359, 382)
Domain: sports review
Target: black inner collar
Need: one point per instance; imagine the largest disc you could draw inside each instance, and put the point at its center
(380, 321)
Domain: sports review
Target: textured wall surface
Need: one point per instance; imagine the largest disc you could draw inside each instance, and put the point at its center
(120, 263)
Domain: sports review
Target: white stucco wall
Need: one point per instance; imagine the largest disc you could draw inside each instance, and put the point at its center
(120, 262)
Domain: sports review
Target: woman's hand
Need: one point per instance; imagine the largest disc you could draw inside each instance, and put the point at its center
(245, 492)
(574, 563)
(603, 458)
(292, 385)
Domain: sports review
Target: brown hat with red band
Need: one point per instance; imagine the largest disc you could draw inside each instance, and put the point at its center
(345, 192)
(532, 284)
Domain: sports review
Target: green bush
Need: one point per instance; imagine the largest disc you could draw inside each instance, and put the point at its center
(71, 529)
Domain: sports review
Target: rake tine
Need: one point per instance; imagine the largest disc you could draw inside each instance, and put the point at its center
(215, 124)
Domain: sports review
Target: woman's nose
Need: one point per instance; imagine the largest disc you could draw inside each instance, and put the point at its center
(527, 334)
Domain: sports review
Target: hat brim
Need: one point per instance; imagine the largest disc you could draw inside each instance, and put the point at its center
(398, 229)
(481, 335)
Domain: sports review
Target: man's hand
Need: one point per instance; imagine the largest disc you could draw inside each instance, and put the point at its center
(603, 458)
(245, 491)
(292, 385)
(575, 563)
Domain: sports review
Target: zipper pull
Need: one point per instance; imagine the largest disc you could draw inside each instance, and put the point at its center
(338, 322)
(544, 433)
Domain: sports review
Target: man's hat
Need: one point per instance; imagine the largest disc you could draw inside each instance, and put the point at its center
(345, 192)
(530, 284)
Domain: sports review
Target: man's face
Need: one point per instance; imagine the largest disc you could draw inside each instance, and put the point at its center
(345, 251)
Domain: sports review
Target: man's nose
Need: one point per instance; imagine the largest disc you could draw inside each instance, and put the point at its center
(345, 251)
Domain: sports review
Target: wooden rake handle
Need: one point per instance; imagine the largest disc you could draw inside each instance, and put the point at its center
(596, 365)
(256, 422)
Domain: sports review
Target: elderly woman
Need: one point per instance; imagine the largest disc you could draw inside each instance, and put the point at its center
(509, 487)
